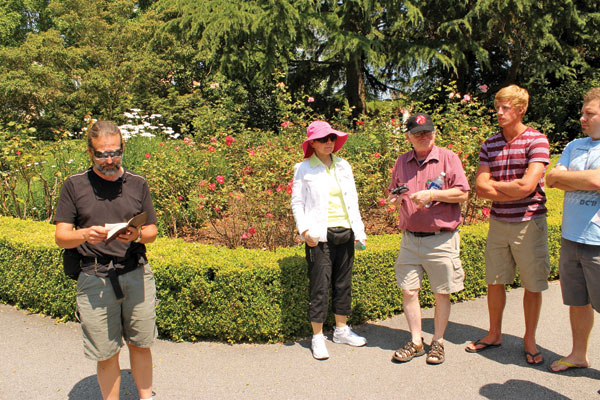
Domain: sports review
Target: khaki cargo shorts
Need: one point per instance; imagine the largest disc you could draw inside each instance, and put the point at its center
(437, 255)
(105, 321)
(523, 244)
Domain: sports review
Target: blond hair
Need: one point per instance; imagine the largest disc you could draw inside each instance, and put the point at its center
(103, 128)
(517, 96)
(592, 94)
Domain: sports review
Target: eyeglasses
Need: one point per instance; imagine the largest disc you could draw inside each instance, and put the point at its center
(332, 137)
(105, 154)
(422, 134)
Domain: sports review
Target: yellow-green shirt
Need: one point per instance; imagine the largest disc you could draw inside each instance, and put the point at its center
(337, 215)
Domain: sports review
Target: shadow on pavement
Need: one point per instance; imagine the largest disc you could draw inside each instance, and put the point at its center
(88, 389)
(517, 389)
(511, 351)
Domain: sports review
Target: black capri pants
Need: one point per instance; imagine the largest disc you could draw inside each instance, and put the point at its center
(330, 265)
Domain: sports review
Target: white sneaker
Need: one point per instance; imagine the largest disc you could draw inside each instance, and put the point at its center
(347, 336)
(318, 347)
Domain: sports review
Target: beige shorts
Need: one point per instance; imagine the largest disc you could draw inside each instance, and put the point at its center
(105, 321)
(523, 244)
(437, 255)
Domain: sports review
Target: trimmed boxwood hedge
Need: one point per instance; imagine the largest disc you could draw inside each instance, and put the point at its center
(207, 292)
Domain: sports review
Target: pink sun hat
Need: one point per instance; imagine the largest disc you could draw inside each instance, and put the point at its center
(320, 129)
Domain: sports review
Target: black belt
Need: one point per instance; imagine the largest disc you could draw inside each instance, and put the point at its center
(108, 265)
(426, 234)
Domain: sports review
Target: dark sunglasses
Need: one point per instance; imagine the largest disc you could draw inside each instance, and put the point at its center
(105, 154)
(332, 137)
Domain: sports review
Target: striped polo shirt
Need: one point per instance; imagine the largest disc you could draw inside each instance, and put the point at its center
(509, 161)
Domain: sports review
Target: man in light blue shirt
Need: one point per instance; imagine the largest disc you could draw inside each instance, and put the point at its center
(578, 174)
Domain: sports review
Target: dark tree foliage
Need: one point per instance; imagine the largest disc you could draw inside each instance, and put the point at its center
(63, 59)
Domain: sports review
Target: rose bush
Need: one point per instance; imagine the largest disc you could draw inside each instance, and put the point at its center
(232, 186)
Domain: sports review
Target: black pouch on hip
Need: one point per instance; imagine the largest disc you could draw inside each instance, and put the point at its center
(72, 263)
(339, 235)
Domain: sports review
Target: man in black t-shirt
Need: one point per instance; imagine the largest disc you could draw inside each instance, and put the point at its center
(116, 295)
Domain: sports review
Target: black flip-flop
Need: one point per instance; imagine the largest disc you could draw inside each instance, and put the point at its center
(480, 349)
(533, 356)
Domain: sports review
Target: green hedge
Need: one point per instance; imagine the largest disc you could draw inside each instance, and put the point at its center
(237, 295)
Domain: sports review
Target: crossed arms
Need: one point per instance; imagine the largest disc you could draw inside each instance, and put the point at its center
(561, 178)
(490, 189)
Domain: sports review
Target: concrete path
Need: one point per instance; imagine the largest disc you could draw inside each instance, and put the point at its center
(41, 358)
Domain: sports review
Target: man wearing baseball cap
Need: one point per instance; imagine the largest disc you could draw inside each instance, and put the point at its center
(429, 217)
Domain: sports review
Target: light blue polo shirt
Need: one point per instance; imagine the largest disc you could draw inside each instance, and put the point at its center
(579, 207)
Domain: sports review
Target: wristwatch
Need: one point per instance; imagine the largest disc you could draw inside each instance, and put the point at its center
(139, 238)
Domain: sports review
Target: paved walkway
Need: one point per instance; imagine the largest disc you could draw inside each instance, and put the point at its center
(41, 358)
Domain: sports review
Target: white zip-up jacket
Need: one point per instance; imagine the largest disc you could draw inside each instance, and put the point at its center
(310, 198)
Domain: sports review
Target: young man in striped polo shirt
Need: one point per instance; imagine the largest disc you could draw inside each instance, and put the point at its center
(511, 174)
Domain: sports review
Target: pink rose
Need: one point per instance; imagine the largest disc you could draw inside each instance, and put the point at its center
(467, 98)
(269, 192)
(285, 124)
(376, 155)
(252, 231)
(211, 149)
(382, 202)
(220, 179)
(213, 139)
(147, 155)
(180, 198)
(269, 215)
(485, 212)
(229, 140)
(212, 187)
(483, 88)
(244, 236)
(311, 99)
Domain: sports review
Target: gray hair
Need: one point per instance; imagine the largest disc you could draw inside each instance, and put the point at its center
(103, 128)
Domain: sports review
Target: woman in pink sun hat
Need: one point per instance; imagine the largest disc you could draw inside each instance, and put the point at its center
(325, 207)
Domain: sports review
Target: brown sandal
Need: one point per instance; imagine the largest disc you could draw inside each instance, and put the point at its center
(408, 352)
(436, 354)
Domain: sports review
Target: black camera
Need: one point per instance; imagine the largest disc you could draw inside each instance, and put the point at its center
(399, 190)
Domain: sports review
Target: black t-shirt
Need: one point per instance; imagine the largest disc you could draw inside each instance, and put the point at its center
(87, 200)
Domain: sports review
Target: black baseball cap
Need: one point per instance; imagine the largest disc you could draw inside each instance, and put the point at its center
(419, 122)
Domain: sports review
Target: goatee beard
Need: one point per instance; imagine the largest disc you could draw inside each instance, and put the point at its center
(108, 171)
